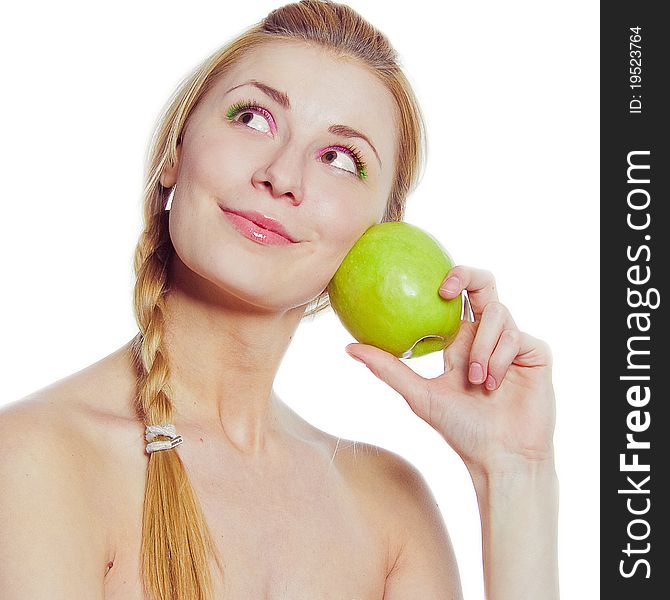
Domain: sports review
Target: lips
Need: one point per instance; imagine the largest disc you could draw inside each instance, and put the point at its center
(268, 224)
(264, 221)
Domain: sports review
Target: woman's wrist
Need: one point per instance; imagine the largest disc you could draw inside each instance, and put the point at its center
(513, 470)
(519, 486)
(518, 504)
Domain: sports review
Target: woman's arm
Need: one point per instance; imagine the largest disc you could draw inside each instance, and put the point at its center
(518, 504)
(494, 405)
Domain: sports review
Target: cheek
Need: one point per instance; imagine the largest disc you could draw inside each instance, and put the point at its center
(336, 235)
(212, 161)
(342, 223)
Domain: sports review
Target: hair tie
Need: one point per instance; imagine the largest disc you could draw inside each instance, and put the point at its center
(169, 430)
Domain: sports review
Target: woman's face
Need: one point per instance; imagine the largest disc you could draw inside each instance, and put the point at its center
(280, 159)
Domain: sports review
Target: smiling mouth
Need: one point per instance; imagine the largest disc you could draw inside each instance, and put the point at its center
(255, 232)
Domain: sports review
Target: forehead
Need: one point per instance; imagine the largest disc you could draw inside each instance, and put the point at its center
(310, 72)
(322, 89)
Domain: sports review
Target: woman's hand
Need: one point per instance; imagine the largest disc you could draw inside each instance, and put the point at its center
(494, 404)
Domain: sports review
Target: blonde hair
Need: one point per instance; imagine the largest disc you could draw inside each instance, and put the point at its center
(177, 548)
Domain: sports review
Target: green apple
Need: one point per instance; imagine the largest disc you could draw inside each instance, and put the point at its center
(385, 292)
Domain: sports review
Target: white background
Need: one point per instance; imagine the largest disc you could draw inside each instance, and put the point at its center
(510, 92)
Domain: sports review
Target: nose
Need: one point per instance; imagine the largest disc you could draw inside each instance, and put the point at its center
(281, 175)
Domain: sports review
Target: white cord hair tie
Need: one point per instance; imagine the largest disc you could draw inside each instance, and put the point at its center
(169, 430)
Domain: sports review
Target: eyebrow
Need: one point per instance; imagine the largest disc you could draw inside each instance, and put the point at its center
(282, 99)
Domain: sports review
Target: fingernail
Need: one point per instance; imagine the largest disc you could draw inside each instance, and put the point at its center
(490, 382)
(476, 374)
(451, 286)
(354, 356)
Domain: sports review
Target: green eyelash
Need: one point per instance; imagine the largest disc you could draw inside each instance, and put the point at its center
(238, 107)
(361, 167)
(363, 172)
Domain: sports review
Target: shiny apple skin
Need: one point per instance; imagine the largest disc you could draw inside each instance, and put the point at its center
(386, 291)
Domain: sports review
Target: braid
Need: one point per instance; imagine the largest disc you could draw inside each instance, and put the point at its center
(176, 541)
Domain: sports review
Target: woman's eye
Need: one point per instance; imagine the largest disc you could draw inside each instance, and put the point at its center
(254, 120)
(250, 114)
(340, 159)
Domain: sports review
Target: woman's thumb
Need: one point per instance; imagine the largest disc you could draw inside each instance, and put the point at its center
(390, 370)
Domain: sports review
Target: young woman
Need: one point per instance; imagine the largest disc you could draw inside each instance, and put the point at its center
(171, 469)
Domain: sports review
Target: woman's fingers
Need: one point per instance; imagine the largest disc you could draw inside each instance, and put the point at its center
(519, 348)
(533, 352)
(479, 283)
(497, 342)
(495, 320)
(504, 354)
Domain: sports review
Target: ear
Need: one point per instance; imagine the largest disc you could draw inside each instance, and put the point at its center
(169, 175)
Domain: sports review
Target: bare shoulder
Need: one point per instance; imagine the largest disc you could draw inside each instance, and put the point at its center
(47, 436)
(423, 563)
(49, 523)
(384, 476)
(59, 471)
(39, 426)
(63, 418)
(73, 413)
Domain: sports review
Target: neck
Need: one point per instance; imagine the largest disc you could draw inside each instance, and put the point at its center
(223, 355)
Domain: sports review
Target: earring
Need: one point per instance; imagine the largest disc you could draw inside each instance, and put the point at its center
(168, 204)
